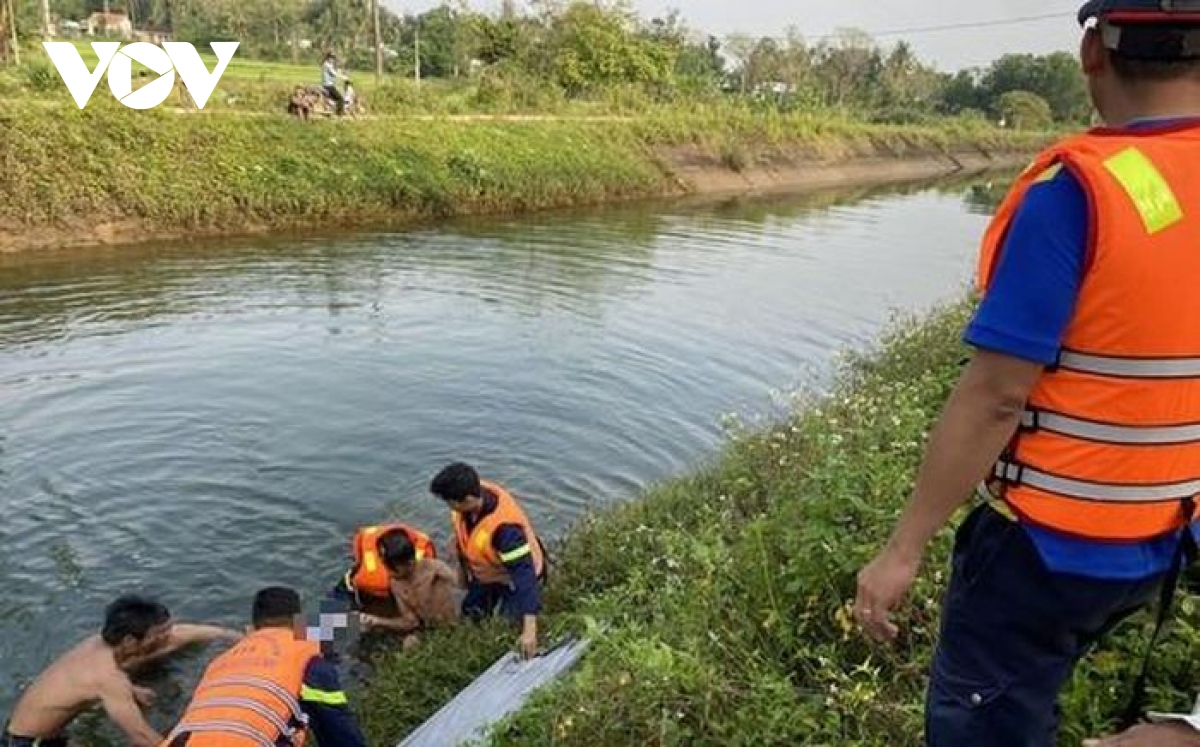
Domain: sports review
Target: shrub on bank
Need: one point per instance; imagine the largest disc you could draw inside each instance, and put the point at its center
(719, 601)
(163, 171)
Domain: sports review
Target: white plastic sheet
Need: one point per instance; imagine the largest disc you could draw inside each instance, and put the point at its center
(496, 693)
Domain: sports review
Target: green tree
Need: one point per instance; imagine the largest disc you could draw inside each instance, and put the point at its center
(1025, 110)
(701, 61)
(962, 92)
(849, 69)
(1056, 78)
(592, 45)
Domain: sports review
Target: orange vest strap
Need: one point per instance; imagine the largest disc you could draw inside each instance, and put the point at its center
(1022, 474)
(224, 727)
(1130, 368)
(284, 697)
(284, 729)
(1111, 433)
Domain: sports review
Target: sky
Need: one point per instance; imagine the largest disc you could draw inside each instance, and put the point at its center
(947, 49)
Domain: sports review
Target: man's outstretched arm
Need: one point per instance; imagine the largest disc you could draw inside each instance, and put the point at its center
(979, 420)
(182, 636)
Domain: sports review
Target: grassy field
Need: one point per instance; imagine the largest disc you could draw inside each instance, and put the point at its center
(719, 600)
(242, 69)
(158, 172)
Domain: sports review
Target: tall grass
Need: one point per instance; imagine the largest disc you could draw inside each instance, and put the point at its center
(160, 172)
(719, 601)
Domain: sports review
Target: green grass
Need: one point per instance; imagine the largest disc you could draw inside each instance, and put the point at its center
(158, 171)
(240, 68)
(719, 600)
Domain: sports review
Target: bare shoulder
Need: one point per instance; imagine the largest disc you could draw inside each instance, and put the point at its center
(441, 569)
(80, 674)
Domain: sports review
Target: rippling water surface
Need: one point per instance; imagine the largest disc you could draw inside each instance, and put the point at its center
(197, 421)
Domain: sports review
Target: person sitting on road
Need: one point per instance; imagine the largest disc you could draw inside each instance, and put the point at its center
(136, 632)
(426, 590)
(299, 105)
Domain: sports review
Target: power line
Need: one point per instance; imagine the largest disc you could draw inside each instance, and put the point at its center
(961, 26)
(976, 24)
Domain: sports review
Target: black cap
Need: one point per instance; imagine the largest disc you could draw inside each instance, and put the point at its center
(1126, 12)
(1152, 30)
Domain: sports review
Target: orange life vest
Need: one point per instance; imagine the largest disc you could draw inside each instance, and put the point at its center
(1109, 446)
(250, 695)
(369, 575)
(486, 566)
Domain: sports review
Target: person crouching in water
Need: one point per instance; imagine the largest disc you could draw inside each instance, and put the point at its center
(501, 558)
(136, 632)
(276, 687)
(426, 590)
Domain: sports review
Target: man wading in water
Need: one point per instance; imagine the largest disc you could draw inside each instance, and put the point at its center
(136, 632)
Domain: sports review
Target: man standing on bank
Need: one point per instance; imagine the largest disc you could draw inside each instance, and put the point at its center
(1081, 406)
(501, 558)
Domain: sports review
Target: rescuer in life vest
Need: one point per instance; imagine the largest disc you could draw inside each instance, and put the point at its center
(1077, 421)
(367, 583)
(501, 560)
(272, 688)
(426, 591)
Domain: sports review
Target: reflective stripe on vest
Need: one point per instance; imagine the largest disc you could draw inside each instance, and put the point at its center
(224, 727)
(1111, 436)
(371, 553)
(516, 554)
(279, 724)
(484, 562)
(1129, 435)
(1017, 474)
(324, 697)
(1130, 368)
(286, 698)
(1144, 183)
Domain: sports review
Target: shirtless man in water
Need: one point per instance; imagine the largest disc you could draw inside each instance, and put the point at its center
(136, 632)
(427, 591)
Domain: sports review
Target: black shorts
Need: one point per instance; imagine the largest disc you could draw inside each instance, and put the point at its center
(11, 740)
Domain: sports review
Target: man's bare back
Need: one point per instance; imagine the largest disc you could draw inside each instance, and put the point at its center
(432, 594)
(93, 672)
(85, 675)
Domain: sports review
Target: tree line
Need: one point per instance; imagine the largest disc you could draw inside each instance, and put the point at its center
(583, 48)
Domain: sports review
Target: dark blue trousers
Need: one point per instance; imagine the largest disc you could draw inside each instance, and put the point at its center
(1012, 632)
(484, 600)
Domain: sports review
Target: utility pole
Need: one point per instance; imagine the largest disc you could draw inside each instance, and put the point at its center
(378, 44)
(416, 52)
(12, 25)
(46, 20)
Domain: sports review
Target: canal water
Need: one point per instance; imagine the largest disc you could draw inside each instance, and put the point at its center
(194, 421)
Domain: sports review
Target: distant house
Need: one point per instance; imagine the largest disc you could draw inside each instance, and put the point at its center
(115, 23)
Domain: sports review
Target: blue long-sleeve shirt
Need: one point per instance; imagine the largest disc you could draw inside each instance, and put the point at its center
(323, 700)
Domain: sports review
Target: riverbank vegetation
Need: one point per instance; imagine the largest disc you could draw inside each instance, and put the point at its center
(109, 171)
(607, 104)
(718, 601)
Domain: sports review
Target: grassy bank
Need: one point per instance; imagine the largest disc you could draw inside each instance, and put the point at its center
(719, 600)
(108, 173)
